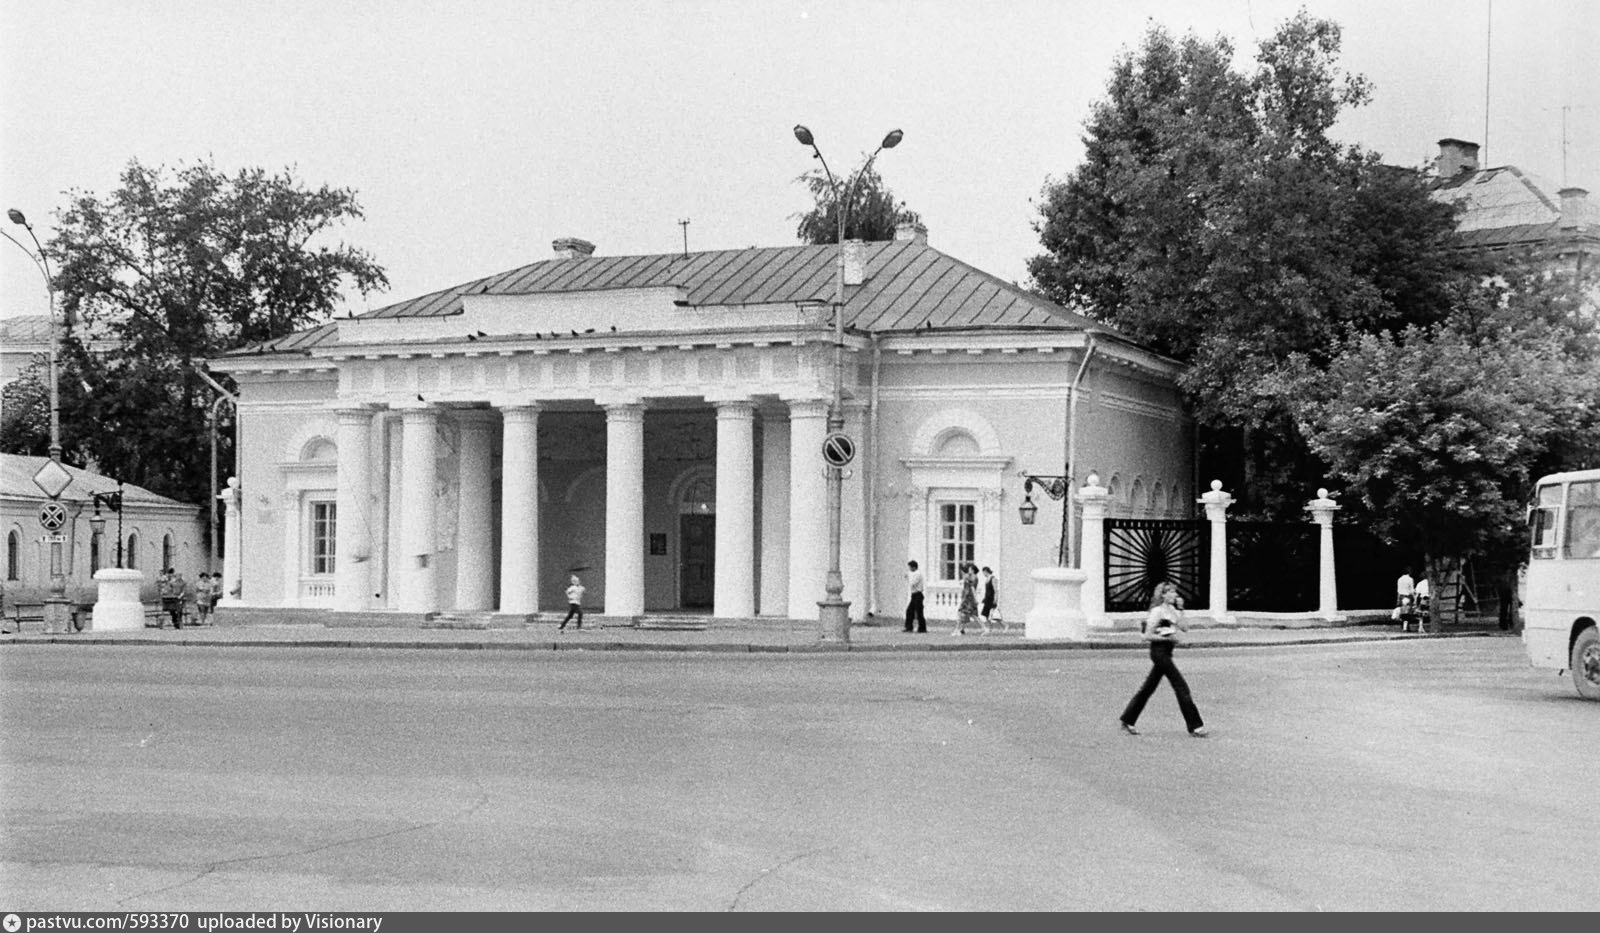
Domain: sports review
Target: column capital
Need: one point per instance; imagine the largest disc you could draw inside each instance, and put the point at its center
(420, 413)
(610, 400)
(1216, 502)
(624, 412)
(503, 402)
(741, 409)
(347, 410)
(807, 408)
(1322, 508)
(520, 412)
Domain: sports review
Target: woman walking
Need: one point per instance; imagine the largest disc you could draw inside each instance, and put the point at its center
(967, 610)
(1161, 631)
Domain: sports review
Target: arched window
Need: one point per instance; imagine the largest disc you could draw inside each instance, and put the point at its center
(166, 551)
(133, 551)
(13, 556)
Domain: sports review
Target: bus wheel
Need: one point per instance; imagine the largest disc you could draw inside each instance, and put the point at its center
(1586, 663)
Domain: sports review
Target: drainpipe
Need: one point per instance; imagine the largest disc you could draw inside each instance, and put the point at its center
(1067, 552)
(223, 396)
(869, 475)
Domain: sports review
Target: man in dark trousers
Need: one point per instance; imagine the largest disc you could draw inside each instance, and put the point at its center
(172, 590)
(914, 607)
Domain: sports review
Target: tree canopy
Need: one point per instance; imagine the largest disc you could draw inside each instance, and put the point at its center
(171, 268)
(1214, 219)
(873, 210)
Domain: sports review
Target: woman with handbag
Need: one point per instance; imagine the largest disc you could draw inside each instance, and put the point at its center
(1161, 630)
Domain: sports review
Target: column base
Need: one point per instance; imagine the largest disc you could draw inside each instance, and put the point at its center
(834, 617)
(117, 607)
(1057, 611)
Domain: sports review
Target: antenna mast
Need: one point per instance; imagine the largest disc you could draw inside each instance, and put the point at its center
(1488, 50)
(684, 223)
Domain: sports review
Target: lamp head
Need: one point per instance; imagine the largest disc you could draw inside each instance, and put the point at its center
(800, 133)
(1027, 510)
(17, 217)
(893, 139)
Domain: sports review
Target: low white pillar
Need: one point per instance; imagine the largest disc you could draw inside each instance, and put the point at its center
(1322, 509)
(117, 607)
(1092, 551)
(232, 546)
(1216, 502)
(1057, 605)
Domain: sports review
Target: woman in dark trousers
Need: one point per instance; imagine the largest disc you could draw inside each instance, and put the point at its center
(1161, 631)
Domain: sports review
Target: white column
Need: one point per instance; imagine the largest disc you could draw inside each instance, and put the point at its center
(1322, 509)
(624, 510)
(232, 542)
(1092, 551)
(1216, 502)
(519, 510)
(734, 596)
(774, 514)
(291, 553)
(353, 548)
(808, 512)
(475, 518)
(853, 517)
(418, 450)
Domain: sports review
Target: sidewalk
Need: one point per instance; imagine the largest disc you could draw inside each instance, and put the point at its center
(726, 636)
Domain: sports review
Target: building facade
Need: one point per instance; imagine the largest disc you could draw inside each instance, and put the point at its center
(654, 424)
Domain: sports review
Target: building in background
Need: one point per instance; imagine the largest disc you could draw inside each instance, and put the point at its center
(655, 424)
(1504, 208)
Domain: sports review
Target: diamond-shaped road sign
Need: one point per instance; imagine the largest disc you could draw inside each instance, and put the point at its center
(53, 478)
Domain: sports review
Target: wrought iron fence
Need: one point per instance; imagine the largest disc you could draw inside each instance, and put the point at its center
(1272, 566)
(1142, 552)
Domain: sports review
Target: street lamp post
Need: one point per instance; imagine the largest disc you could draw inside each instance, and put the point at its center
(833, 612)
(56, 605)
(1056, 488)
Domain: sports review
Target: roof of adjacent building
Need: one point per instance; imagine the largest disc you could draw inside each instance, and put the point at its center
(25, 329)
(16, 481)
(908, 286)
(1506, 207)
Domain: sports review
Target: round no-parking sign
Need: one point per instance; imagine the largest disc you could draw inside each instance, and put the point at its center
(52, 515)
(838, 449)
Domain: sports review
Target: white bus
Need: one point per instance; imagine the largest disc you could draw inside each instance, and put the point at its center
(1561, 608)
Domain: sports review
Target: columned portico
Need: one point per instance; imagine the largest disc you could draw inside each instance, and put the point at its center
(624, 509)
(475, 524)
(415, 585)
(735, 552)
(519, 510)
(808, 518)
(352, 563)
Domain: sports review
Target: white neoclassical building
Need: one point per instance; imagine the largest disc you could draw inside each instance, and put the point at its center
(654, 424)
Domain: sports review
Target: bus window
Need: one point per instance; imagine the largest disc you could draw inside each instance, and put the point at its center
(1583, 520)
(1542, 521)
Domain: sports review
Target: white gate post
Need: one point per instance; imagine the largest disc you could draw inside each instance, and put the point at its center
(1322, 509)
(1092, 551)
(1216, 502)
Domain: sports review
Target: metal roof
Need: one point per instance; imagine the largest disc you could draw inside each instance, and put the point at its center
(16, 481)
(908, 286)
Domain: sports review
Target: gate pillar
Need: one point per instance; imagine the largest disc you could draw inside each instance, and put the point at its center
(1322, 509)
(1216, 502)
(1092, 552)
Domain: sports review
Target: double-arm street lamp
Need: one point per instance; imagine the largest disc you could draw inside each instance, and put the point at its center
(833, 611)
(53, 478)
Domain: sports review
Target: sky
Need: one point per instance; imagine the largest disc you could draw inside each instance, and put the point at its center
(476, 132)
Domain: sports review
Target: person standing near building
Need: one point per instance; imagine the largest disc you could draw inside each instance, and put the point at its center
(574, 603)
(914, 583)
(1161, 630)
(172, 590)
(204, 589)
(967, 609)
(991, 599)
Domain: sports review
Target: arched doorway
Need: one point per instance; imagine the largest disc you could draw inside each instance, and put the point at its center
(697, 541)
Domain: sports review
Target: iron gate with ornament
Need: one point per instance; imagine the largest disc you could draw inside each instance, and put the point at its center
(1141, 553)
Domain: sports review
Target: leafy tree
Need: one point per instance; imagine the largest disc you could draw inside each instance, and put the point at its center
(1440, 430)
(1215, 220)
(166, 271)
(873, 209)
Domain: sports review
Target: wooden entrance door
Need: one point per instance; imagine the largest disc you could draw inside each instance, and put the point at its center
(697, 536)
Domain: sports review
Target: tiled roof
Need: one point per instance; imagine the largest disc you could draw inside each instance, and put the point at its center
(908, 286)
(1505, 206)
(16, 480)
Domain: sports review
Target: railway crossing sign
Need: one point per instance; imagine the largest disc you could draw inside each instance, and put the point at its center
(52, 516)
(838, 449)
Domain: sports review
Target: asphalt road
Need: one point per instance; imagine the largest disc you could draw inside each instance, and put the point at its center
(1418, 775)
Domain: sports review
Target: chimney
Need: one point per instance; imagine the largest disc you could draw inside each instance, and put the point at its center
(912, 230)
(1456, 156)
(1574, 202)
(854, 262)
(570, 247)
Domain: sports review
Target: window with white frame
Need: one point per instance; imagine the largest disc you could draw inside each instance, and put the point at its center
(324, 517)
(958, 536)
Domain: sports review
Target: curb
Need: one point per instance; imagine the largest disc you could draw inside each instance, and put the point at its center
(819, 648)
